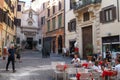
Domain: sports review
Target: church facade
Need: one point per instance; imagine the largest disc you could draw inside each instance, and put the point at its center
(29, 34)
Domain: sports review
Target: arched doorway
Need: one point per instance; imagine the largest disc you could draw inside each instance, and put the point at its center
(60, 44)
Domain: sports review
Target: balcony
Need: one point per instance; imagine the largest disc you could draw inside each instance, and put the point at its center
(84, 3)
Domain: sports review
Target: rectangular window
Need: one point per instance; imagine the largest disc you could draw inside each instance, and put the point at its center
(19, 8)
(60, 20)
(43, 6)
(19, 22)
(48, 24)
(43, 20)
(5, 18)
(53, 9)
(39, 41)
(48, 12)
(1, 14)
(54, 23)
(72, 25)
(86, 16)
(18, 40)
(71, 4)
(108, 14)
(60, 5)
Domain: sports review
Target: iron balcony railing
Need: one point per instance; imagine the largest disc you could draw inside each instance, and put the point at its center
(83, 3)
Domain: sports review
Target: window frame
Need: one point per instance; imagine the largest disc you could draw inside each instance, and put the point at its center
(60, 5)
(110, 9)
(18, 7)
(48, 25)
(72, 25)
(86, 16)
(54, 22)
(53, 9)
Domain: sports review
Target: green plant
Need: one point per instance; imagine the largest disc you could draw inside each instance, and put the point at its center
(89, 50)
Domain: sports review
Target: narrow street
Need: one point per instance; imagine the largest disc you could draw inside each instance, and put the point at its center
(33, 67)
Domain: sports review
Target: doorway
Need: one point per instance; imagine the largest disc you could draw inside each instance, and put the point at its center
(29, 43)
(60, 44)
(86, 38)
(53, 46)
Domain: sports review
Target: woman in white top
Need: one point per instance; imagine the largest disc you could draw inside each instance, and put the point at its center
(97, 67)
(76, 61)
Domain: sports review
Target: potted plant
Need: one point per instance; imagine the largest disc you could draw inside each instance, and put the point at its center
(89, 51)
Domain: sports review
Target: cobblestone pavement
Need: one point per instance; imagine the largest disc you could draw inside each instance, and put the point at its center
(33, 67)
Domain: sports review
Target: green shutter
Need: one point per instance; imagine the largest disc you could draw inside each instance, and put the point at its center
(48, 24)
(60, 20)
(53, 23)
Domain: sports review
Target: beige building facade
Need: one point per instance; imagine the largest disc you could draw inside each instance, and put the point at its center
(70, 26)
(28, 31)
(88, 25)
(8, 29)
(110, 26)
(55, 26)
(98, 25)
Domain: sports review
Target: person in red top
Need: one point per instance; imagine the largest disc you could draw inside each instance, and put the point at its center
(76, 50)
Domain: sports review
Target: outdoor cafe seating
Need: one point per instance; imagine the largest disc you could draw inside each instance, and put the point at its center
(63, 71)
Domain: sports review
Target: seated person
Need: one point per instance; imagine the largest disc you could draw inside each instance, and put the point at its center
(104, 64)
(117, 68)
(97, 67)
(76, 61)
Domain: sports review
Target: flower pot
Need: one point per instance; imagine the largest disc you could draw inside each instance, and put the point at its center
(89, 58)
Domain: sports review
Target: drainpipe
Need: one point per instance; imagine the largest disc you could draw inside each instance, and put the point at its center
(64, 24)
(118, 10)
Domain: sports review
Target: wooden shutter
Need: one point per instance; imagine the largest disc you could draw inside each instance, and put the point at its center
(1, 15)
(69, 26)
(102, 17)
(75, 25)
(114, 12)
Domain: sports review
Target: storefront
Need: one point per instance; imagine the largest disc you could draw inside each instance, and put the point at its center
(112, 43)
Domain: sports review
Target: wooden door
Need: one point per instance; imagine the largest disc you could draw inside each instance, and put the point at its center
(86, 38)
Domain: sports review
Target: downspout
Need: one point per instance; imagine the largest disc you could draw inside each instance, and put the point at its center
(64, 24)
(118, 10)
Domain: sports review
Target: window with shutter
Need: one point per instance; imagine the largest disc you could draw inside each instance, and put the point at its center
(1, 15)
(54, 23)
(72, 25)
(108, 14)
(19, 22)
(60, 5)
(71, 4)
(86, 16)
(69, 25)
(48, 12)
(114, 13)
(48, 25)
(19, 8)
(53, 9)
(18, 40)
(60, 20)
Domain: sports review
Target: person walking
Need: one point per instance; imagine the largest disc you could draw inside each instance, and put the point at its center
(11, 58)
(18, 56)
(64, 51)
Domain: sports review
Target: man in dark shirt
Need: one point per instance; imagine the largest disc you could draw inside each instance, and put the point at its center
(11, 58)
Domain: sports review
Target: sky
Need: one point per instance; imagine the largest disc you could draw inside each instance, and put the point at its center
(35, 5)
